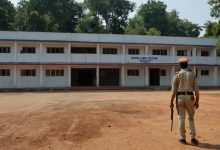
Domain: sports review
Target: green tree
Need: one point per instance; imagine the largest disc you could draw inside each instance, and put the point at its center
(7, 14)
(154, 15)
(90, 24)
(172, 23)
(113, 13)
(153, 31)
(215, 10)
(48, 15)
(212, 29)
(188, 29)
(135, 27)
(218, 47)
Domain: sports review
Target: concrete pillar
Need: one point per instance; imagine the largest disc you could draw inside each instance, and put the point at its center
(15, 51)
(69, 52)
(97, 76)
(69, 75)
(146, 50)
(173, 54)
(194, 54)
(147, 83)
(98, 53)
(41, 76)
(41, 53)
(15, 76)
(123, 54)
(215, 54)
(194, 69)
(216, 76)
(123, 76)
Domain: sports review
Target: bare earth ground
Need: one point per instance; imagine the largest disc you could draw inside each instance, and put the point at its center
(101, 120)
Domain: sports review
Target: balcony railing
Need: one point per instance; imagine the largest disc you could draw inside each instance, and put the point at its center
(104, 58)
(84, 58)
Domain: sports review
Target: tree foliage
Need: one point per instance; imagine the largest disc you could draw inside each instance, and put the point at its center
(153, 31)
(212, 29)
(215, 8)
(135, 26)
(48, 15)
(95, 16)
(113, 13)
(90, 24)
(7, 13)
(153, 15)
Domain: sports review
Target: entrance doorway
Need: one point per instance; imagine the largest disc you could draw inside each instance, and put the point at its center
(83, 77)
(109, 77)
(155, 77)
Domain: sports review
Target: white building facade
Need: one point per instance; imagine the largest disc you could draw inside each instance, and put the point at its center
(68, 60)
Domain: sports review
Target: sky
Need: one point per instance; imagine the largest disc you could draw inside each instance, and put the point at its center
(196, 11)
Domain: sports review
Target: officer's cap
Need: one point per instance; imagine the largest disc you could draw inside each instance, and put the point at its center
(183, 60)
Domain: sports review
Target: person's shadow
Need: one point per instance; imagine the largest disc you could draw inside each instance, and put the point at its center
(208, 146)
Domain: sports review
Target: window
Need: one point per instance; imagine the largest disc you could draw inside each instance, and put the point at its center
(4, 72)
(28, 72)
(133, 51)
(55, 50)
(204, 53)
(30, 50)
(163, 72)
(182, 53)
(159, 52)
(5, 49)
(83, 50)
(54, 73)
(133, 72)
(109, 50)
(204, 72)
(163, 52)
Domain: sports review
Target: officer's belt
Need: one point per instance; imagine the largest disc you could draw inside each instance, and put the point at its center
(184, 93)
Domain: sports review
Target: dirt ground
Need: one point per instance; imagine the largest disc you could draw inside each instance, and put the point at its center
(102, 120)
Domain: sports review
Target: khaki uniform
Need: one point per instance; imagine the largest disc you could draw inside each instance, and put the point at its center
(185, 81)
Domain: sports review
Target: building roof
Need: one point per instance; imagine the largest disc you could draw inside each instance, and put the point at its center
(104, 38)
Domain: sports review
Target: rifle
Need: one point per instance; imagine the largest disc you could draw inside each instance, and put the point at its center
(171, 117)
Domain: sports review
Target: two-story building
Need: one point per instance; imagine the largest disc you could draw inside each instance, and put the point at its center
(65, 60)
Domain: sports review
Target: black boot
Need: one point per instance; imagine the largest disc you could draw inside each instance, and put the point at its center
(182, 141)
(194, 141)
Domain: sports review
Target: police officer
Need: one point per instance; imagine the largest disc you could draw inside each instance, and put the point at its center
(183, 85)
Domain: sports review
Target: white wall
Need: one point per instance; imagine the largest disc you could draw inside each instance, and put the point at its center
(50, 57)
(138, 81)
(218, 76)
(28, 57)
(28, 82)
(205, 80)
(151, 48)
(141, 49)
(7, 81)
(166, 80)
(55, 81)
(7, 57)
(218, 60)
